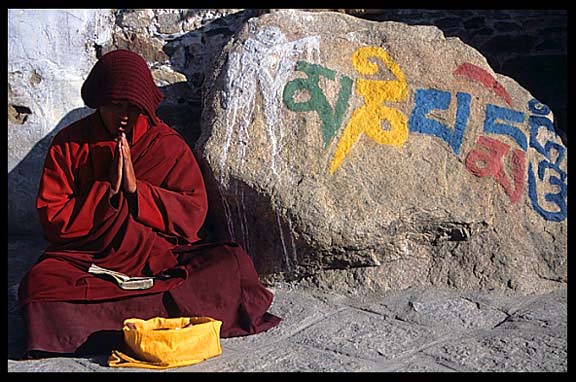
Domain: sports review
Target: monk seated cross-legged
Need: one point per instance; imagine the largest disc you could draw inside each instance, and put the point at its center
(122, 190)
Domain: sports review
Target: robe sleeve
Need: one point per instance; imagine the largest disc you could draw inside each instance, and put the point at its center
(65, 213)
(177, 207)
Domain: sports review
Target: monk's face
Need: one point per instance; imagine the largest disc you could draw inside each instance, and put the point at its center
(119, 117)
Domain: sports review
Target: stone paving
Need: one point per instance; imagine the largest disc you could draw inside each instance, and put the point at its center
(413, 330)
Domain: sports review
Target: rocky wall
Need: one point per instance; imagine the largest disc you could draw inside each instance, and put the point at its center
(49, 57)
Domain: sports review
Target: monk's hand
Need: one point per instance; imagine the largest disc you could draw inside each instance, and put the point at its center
(116, 170)
(129, 176)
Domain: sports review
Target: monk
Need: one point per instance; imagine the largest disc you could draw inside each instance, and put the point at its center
(122, 190)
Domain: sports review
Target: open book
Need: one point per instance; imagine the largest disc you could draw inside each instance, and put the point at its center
(124, 281)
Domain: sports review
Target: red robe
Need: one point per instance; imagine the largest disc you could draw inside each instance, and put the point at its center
(156, 231)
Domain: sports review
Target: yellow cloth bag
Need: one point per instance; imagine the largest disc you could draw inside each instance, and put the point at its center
(160, 343)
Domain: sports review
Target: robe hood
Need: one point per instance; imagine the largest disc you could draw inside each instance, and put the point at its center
(122, 76)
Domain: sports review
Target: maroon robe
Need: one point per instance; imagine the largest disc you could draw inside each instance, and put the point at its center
(154, 232)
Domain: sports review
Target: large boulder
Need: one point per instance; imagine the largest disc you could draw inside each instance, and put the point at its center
(378, 154)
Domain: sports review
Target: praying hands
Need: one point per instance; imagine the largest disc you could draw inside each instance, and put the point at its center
(122, 174)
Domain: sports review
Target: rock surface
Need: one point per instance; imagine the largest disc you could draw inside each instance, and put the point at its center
(388, 216)
(421, 329)
(47, 64)
(385, 150)
(458, 225)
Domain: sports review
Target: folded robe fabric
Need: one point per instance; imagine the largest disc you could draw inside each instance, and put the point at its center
(134, 237)
(155, 232)
(122, 76)
(160, 343)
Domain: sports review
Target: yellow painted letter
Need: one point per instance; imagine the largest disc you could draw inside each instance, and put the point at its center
(367, 118)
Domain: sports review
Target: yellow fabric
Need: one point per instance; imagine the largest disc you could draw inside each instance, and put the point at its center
(160, 343)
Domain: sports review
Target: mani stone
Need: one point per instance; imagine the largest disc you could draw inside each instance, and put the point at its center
(346, 153)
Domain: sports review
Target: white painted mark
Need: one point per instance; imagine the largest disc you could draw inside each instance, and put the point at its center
(267, 60)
